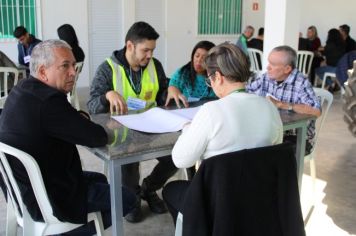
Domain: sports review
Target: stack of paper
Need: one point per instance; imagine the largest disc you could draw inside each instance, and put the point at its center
(158, 120)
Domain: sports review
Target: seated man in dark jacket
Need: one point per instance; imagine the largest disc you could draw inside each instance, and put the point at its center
(38, 119)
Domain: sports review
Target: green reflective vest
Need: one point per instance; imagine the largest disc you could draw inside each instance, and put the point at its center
(149, 82)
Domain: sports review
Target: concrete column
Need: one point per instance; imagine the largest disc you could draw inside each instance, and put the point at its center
(282, 18)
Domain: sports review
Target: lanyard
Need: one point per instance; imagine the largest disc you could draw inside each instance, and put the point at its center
(241, 90)
(136, 87)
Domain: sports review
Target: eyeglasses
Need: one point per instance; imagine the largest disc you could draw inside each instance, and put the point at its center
(66, 66)
(208, 80)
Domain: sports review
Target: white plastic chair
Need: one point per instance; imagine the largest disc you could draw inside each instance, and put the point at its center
(328, 74)
(73, 96)
(5, 84)
(256, 57)
(304, 61)
(16, 210)
(179, 225)
(326, 99)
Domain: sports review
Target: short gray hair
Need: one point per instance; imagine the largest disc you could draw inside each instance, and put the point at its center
(291, 55)
(230, 61)
(42, 54)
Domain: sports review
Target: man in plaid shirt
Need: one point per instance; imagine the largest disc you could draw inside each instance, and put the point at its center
(288, 88)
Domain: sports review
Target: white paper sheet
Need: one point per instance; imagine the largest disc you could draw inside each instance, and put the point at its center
(158, 120)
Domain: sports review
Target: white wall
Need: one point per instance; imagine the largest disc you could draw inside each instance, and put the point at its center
(327, 14)
(253, 17)
(181, 27)
(182, 33)
(56, 13)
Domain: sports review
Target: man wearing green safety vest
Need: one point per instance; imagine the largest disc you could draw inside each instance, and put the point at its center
(131, 78)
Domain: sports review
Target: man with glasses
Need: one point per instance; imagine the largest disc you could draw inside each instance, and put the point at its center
(133, 79)
(288, 89)
(26, 43)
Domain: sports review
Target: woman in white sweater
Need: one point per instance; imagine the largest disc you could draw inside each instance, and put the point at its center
(238, 120)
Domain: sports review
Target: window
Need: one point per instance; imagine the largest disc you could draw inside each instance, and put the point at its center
(14, 13)
(219, 16)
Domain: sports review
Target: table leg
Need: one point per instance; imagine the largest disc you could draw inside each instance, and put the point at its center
(116, 198)
(300, 152)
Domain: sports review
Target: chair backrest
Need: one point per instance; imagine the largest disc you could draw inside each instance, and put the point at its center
(248, 192)
(51, 224)
(304, 61)
(330, 75)
(8, 78)
(256, 57)
(73, 96)
(326, 99)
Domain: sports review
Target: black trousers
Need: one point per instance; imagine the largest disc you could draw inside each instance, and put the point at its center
(173, 194)
(164, 169)
(99, 200)
(293, 140)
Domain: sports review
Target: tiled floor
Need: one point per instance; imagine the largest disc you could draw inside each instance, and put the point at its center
(334, 213)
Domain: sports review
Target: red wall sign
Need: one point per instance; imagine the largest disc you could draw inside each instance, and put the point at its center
(255, 6)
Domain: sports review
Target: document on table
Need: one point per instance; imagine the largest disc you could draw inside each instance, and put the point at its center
(270, 95)
(158, 120)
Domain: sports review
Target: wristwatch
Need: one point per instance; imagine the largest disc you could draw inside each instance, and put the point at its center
(290, 107)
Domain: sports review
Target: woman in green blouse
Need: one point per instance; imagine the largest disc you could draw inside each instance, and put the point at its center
(187, 84)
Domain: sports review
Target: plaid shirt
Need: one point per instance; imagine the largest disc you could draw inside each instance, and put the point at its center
(296, 89)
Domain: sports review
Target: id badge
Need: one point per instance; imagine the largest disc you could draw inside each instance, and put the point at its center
(135, 103)
(26, 59)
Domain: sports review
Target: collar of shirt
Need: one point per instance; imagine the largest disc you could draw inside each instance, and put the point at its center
(289, 80)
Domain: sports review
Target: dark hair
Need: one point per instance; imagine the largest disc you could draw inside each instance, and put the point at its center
(334, 37)
(261, 31)
(230, 61)
(188, 69)
(67, 33)
(19, 31)
(140, 31)
(291, 55)
(345, 28)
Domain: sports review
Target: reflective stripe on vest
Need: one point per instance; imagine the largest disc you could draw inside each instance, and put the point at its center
(149, 82)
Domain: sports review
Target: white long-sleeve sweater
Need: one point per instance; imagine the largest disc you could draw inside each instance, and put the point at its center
(235, 122)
